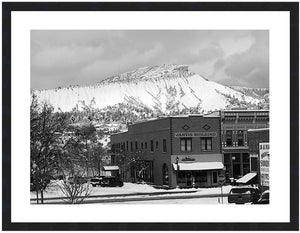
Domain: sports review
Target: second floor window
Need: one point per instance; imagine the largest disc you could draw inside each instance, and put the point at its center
(151, 145)
(142, 145)
(136, 146)
(240, 138)
(131, 146)
(164, 145)
(229, 138)
(186, 144)
(145, 145)
(206, 143)
(156, 146)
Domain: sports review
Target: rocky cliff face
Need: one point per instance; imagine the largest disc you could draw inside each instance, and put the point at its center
(167, 89)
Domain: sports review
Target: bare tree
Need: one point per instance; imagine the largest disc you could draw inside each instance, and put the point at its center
(75, 189)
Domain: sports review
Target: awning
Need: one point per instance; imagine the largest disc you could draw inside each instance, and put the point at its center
(110, 168)
(198, 166)
(246, 178)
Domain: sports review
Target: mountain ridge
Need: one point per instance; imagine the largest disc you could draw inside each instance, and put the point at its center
(166, 88)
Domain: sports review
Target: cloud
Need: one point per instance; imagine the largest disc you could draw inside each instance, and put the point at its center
(68, 57)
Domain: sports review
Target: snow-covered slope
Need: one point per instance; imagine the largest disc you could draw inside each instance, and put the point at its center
(166, 87)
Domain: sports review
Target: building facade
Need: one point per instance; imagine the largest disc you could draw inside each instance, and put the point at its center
(235, 125)
(256, 136)
(258, 141)
(171, 151)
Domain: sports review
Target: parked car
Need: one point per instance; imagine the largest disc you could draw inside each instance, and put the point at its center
(242, 195)
(264, 198)
(95, 181)
(111, 182)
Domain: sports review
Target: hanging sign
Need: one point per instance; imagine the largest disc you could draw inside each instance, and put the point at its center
(264, 158)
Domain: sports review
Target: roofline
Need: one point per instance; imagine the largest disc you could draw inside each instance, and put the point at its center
(175, 117)
(256, 130)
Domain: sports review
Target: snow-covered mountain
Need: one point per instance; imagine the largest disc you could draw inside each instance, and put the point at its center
(165, 88)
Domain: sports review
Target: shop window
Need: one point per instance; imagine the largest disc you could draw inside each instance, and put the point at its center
(165, 175)
(203, 177)
(229, 138)
(215, 177)
(246, 163)
(246, 169)
(254, 164)
(206, 144)
(152, 145)
(181, 177)
(164, 145)
(240, 138)
(246, 158)
(186, 144)
(227, 158)
(132, 172)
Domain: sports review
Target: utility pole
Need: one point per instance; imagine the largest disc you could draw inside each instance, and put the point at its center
(177, 171)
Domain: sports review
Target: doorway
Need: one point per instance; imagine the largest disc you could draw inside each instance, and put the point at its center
(236, 170)
(188, 179)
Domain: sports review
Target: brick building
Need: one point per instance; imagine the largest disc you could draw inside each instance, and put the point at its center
(180, 151)
(235, 125)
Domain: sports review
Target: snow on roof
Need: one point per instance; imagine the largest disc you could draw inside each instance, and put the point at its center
(110, 168)
(246, 178)
(255, 130)
(245, 110)
(198, 166)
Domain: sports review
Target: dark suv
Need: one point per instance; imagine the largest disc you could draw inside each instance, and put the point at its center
(95, 181)
(111, 182)
(242, 195)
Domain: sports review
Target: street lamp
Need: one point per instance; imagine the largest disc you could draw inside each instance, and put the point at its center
(177, 171)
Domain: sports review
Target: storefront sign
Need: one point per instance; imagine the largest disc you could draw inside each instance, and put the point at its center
(195, 134)
(188, 158)
(264, 163)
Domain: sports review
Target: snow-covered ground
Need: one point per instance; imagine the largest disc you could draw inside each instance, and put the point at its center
(210, 201)
(53, 190)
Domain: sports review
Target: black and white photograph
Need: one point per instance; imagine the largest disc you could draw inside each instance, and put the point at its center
(149, 116)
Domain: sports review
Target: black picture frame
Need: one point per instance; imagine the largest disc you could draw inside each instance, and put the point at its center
(291, 7)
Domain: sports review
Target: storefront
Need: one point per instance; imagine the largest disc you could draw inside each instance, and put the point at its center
(198, 174)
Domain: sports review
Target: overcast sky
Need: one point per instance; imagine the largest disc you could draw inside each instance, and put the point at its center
(63, 58)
